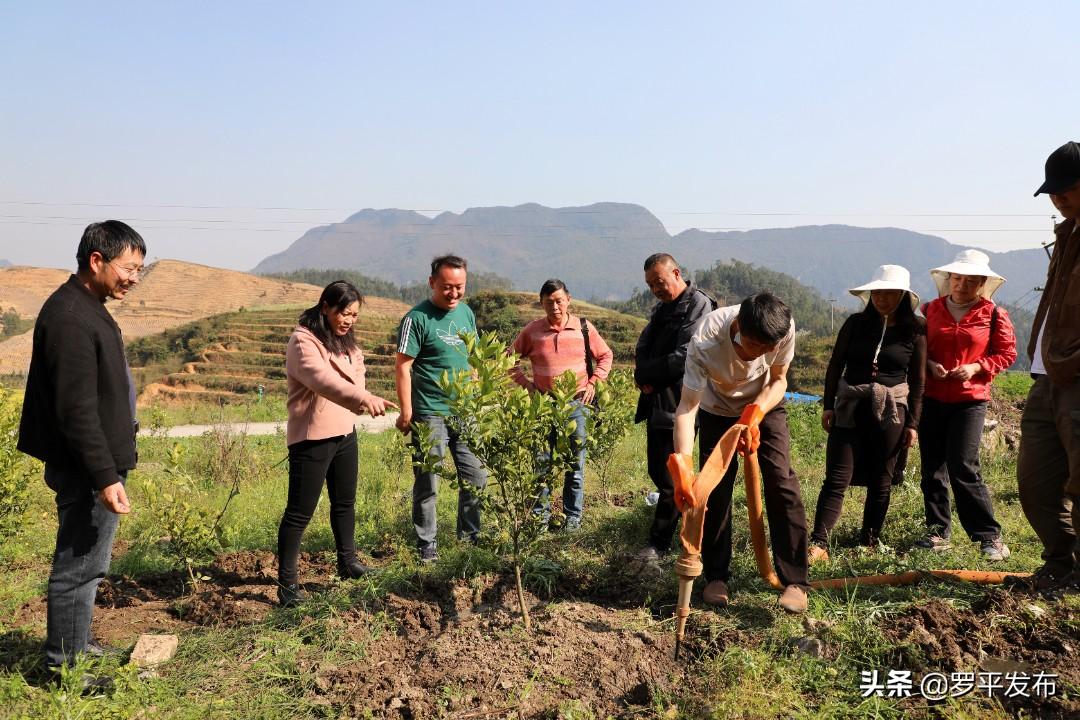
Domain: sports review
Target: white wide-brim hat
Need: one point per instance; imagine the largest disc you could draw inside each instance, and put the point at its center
(968, 262)
(888, 277)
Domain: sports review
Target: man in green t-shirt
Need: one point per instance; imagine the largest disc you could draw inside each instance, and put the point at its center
(428, 344)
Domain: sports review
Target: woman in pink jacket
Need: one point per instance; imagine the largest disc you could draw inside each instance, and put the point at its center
(325, 371)
(969, 340)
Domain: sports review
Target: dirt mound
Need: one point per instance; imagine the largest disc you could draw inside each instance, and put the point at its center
(468, 655)
(238, 588)
(458, 648)
(1003, 422)
(1003, 632)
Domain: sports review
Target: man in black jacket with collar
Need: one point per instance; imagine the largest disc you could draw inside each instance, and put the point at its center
(658, 370)
(78, 417)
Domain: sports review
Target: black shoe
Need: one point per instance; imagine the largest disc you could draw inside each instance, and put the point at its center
(290, 595)
(352, 568)
(650, 554)
(1042, 580)
(428, 553)
(96, 650)
(95, 684)
(89, 684)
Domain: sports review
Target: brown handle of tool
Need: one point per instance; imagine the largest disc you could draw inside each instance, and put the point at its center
(755, 513)
(752, 477)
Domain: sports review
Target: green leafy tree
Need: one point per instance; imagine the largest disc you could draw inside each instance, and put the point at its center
(523, 440)
(609, 422)
(16, 470)
(193, 533)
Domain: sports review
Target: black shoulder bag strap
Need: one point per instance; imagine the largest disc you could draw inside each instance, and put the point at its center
(588, 350)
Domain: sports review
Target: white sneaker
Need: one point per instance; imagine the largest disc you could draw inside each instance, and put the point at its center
(995, 550)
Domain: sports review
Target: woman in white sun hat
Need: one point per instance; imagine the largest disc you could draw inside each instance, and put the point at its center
(969, 339)
(873, 394)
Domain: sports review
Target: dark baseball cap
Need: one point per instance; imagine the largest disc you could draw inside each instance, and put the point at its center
(1062, 169)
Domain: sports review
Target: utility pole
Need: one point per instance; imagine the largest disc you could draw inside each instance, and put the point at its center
(1047, 246)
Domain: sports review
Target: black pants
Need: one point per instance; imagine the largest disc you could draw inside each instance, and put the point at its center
(659, 445)
(870, 451)
(782, 495)
(310, 462)
(949, 436)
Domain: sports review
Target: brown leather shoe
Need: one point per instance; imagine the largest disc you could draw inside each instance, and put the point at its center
(817, 554)
(716, 593)
(793, 599)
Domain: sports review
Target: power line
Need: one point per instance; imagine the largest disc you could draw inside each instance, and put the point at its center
(344, 228)
(574, 210)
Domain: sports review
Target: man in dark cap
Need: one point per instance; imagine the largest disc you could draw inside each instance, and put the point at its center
(1048, 470)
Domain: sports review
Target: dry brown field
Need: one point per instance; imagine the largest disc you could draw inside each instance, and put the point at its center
(170, 293)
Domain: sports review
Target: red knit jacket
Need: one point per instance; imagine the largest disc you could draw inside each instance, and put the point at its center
(953, 343)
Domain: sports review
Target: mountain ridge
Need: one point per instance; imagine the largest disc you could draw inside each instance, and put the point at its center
(598, 249)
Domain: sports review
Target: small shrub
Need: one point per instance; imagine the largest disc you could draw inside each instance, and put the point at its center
(496, 312)
(608, 424)
(227, 458)
(523, 440)
(193, 534)
(16, 470)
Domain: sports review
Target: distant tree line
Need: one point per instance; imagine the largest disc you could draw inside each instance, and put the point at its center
(728, 282)
(11, 324)
(411, 294)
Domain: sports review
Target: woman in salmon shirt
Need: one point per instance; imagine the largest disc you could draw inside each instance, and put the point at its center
(969, 340)
(325, 371)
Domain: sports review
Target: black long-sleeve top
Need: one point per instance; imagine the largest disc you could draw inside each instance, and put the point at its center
(902, 359)
(660, 355)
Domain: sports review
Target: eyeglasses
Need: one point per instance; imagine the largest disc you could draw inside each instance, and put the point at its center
(129, 272)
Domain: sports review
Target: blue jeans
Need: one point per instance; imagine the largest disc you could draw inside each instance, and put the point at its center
(426, 485)
(573, 492)
(84, 541)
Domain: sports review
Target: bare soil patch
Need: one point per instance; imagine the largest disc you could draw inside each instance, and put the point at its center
(466, 655)
(457, 649)
(1003, 632)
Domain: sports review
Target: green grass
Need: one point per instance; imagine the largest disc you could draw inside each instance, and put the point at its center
(1013, 385)
(743, 662)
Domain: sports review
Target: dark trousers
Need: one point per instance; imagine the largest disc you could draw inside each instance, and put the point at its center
(84, 541)
(782, 495)
(1048, 470)
(310, 463)
(869, 450)
(949, 437)
(659, 445)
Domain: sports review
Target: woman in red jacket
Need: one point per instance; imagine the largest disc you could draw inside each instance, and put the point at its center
(325, 371)
(969, 340)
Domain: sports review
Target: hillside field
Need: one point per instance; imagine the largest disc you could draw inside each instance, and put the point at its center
(446, 641)
(214, 368)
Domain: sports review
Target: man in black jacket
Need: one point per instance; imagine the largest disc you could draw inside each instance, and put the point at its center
(78, 417)
(658, 371)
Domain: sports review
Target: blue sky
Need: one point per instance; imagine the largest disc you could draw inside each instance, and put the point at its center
(193, 120)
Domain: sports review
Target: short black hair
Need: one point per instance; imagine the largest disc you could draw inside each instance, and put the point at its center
(452, 261)
(658, 258)
(765, 318)
(338, 295)
(110, 239)
(552, 286)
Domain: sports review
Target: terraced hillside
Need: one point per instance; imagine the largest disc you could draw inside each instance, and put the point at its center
(227, 358)
(171, 293)
(237, 356)
(507, 312)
